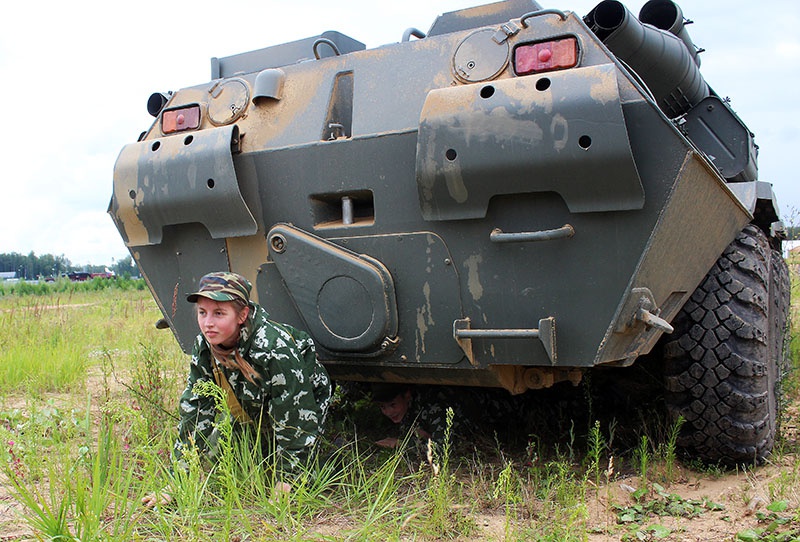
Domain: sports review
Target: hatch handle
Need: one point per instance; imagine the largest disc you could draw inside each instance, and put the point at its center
(327, 42)
(524, 19)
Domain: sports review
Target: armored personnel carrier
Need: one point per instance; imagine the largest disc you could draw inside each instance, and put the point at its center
(510, 199)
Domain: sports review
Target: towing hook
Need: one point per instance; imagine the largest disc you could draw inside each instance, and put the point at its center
(652, 320)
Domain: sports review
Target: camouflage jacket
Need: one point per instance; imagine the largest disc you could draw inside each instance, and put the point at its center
(290, 400)
(477, 413)
(428, 412)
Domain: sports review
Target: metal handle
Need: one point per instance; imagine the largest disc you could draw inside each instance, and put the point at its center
(463, 334)
(564, 232)
(523, 20)
(412, 32)
(496, 333)
(327, 42)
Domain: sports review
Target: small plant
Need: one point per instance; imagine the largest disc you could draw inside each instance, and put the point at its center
(671, 447)
(594, 453)
(776, 526)
(641, 459)
(662, 504)
(507, 488)
(444, 517)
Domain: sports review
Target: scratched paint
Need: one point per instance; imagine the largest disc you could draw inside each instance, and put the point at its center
(424, 319)
(473, 278)
(603, 87)
(559, 131)
(455, 183)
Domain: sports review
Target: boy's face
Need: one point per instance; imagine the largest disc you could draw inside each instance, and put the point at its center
(396, 409)
(219, 321)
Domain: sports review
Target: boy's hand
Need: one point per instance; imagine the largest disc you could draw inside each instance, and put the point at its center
(388, 442)
(282, 487)
(160, 498)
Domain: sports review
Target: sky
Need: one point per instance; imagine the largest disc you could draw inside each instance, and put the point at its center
(76, 77)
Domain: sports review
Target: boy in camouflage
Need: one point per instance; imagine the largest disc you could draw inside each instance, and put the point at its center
(269, 371)
(421, 412)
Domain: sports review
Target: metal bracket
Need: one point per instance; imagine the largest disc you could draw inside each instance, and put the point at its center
(505, 31)
(463, 334)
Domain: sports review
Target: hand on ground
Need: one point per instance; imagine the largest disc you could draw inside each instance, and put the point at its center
(282, 487)
(160, 498)
(388, 442)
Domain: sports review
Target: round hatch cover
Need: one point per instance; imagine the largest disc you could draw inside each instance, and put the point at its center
(479, 57)
(345, 307)
(228, 101)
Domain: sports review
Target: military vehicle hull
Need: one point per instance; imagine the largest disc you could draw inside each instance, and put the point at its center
(505, 202)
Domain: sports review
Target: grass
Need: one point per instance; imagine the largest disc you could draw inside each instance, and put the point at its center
(49, 342)
(88, 393)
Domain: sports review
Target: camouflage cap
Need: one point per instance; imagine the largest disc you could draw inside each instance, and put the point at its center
(222, 286)
(386, 392)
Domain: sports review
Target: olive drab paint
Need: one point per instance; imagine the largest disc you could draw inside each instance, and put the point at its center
(507, 200)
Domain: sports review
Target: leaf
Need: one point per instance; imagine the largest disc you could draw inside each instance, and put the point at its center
(778, 506)
(659, 531)
(639, 493)
(749, 535)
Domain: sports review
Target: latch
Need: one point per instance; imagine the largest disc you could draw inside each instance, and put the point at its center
(505, 31)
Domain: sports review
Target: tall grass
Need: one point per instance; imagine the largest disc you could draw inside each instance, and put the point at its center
(47, 343)
(88, 397)
(65, 286)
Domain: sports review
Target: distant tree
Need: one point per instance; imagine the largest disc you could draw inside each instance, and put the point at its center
(125, 267)
(790, 219)
(33, 266)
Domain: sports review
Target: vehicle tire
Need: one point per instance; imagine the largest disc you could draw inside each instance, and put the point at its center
(724, 362)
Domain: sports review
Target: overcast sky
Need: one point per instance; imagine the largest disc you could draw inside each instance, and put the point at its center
(76, 77)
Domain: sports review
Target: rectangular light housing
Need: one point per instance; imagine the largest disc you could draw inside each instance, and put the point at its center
(180, 119)
(546, 56)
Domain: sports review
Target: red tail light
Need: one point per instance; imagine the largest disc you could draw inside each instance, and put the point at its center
(178, 120)
(546, 56)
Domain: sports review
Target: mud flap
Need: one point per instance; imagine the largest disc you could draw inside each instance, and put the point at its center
(180, 179)
(563, 132)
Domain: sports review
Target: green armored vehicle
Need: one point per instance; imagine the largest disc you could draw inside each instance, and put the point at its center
(508, 200)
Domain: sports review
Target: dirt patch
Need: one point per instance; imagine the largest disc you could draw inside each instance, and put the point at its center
(733, 502)
(50, 307)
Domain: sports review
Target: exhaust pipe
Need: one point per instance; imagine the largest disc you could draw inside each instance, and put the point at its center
(667, 15)
(662, 59)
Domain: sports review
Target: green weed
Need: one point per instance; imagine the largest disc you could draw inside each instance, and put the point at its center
(89, 431)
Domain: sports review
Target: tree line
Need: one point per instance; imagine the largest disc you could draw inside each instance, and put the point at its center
(31, 266)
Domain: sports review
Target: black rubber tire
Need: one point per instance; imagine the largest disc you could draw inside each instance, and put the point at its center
(724, 362)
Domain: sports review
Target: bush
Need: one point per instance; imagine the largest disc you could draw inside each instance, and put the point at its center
(65, 286)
